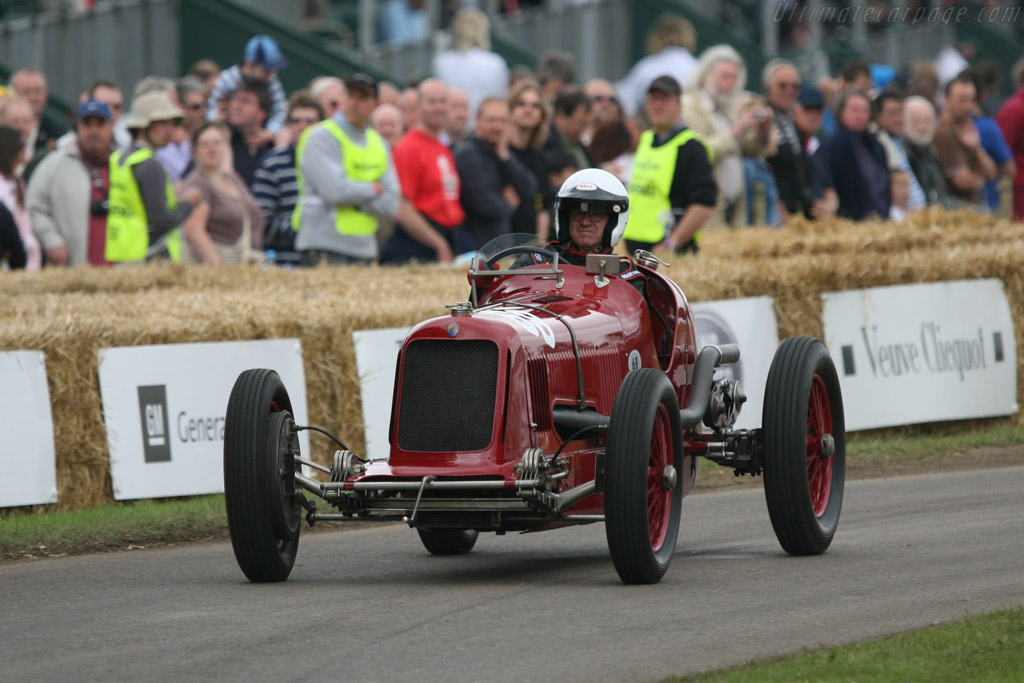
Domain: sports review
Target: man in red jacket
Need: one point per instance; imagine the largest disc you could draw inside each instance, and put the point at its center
(429, 211)
(1011, 120)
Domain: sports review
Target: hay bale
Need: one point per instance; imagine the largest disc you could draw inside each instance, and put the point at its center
(71, 314)
(159, 304)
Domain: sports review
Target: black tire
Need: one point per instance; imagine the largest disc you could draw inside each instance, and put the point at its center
(264, 515)
(803, 483)
(641, 515)
(458, 542)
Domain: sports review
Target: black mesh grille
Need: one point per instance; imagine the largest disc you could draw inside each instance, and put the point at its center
(448, 390)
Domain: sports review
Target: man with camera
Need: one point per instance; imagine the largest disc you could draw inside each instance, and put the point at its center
(67, 195)
(734, 123)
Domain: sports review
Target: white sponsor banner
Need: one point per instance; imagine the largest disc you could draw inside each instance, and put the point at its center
(750, 323)
(164, 408)
(376, 359)
(27, 453)
(923, 353)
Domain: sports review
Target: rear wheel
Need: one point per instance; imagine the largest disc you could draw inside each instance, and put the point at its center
(804, 446)
(643, 483)
(260, 445)
(457, 542)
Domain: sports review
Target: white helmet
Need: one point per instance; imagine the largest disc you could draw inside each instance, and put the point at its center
(592, 188)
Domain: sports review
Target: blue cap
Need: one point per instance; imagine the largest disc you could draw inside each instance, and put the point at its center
(93, 108)
(264, 51)
(882, 75)
(810, 97)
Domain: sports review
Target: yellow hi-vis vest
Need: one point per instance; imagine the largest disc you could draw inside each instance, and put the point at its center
(362, 164)
(127, 222)
(650, 211)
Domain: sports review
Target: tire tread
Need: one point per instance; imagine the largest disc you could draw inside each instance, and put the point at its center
(784, 425)
(245, 436)
(626, 521)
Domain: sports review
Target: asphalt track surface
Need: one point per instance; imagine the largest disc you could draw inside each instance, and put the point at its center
(370, 604)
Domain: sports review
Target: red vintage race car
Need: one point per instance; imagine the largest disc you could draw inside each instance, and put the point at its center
(552, 398)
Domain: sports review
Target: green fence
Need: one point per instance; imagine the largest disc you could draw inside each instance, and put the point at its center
(219, 30)
(742, 39)
(1005, 48)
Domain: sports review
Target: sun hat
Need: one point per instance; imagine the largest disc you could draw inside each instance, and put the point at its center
(155, 105)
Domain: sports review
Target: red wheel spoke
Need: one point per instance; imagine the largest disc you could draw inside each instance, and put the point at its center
(659, 501)
(653, 478)
(819, 465)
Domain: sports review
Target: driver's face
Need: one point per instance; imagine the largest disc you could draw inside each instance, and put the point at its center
(586, 228)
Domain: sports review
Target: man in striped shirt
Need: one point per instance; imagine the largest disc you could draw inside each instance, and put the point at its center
(274, 184)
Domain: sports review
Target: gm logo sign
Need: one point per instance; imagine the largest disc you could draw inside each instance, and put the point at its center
(156, 443)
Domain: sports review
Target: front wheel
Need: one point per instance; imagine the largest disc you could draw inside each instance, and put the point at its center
(260, 445)
(458, 542)
(643, 483)
(804, 433)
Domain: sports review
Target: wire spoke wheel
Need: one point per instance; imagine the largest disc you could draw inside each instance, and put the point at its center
(819, 462)
(659, 500)
(804, 440)
(643, 477)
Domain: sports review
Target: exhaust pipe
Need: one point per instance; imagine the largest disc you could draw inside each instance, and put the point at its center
(709, 358)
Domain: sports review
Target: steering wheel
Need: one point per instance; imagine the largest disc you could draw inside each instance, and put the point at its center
(520, 249)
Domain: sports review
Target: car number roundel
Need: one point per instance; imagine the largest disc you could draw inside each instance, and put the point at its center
(634, 361)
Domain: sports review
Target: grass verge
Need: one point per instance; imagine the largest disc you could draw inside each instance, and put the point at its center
(986, 648)
(888, 445)
(117, 526)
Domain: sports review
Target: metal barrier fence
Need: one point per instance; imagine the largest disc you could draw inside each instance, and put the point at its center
(121, 41)
(124, 40)
(603, 38)
(598, 34)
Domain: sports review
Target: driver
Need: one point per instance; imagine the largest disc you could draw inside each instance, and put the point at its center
(591, 210)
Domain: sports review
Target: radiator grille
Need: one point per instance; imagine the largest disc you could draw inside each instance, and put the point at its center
(448, 395)
(540, 397)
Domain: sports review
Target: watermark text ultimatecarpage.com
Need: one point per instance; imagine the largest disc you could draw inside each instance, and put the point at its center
(787, 12)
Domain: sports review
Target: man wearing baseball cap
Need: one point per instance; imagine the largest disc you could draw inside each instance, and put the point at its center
(143, 207)
(262, 61)
(672, 192)
(346, 180)
(67, 195)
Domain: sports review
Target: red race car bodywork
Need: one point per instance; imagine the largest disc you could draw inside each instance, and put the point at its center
(561, 395)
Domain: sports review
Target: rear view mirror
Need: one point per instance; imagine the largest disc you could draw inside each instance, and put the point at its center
(600, 265)
(603, 264)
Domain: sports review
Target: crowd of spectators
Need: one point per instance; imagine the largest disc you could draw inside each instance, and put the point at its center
(223, 166)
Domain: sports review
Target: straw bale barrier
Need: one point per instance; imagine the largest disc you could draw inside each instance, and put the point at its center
(71, 314)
